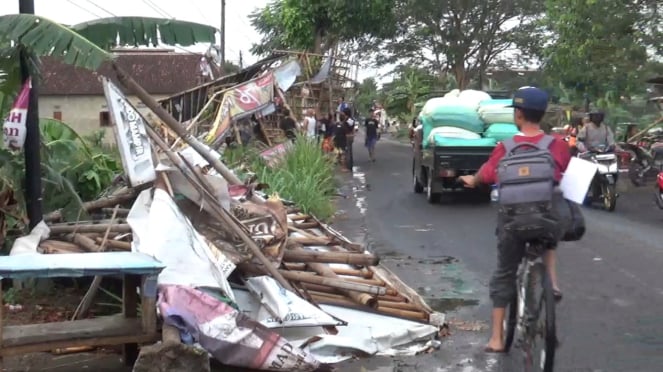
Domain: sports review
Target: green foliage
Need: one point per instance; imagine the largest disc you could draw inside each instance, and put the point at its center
(304, 175)
(459, 37)
(73, 170)
(366, 92)
(410, 86)
(308, 24)
(597, 48)
(81, 45)
(137, 31)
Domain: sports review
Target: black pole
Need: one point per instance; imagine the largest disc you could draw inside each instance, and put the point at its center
(32, 138)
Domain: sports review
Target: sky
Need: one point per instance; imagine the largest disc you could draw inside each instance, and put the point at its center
(240, 35)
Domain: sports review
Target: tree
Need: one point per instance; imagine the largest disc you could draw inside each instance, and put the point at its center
(598, 47)
(461, 38)
(317, 25)
(366, 92)
(84, 45)
(409, 87)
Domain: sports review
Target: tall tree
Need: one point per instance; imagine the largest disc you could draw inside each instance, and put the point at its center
(366, 92)
(598, 47)
(317, 25)
(458, 37)
(410, 86)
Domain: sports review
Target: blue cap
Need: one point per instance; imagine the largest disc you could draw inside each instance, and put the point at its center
(530, 98)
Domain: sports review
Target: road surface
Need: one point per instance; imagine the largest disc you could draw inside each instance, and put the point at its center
(611, 318)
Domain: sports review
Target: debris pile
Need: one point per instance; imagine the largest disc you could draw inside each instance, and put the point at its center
(257, 283)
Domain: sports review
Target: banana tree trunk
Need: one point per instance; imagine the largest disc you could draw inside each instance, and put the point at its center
(177, 127)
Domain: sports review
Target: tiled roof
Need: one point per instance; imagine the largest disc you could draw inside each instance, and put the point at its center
(157, 72)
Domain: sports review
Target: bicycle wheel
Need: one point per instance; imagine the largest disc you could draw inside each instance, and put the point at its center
(510, 324)
(540, 339)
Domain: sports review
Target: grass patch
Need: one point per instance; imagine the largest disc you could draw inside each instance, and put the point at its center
(304, 175)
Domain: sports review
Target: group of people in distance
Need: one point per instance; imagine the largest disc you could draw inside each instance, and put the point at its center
(335, 131)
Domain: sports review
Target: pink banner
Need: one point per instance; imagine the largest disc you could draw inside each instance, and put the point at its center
(14, 128)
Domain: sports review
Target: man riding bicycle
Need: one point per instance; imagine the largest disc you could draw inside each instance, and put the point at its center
(530, 106)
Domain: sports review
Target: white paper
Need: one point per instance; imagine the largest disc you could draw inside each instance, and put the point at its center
(577, 178)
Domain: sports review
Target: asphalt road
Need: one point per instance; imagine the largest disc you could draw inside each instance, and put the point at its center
(611, 318)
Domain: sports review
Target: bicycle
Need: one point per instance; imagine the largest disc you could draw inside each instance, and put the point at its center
(524, 314)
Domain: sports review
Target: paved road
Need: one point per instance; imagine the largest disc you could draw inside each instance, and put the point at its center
(611, 318)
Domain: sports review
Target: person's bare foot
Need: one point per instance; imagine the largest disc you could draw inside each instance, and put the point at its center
(494, 346)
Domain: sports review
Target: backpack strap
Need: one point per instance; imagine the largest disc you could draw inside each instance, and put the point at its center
(509, 145)
(546, 141)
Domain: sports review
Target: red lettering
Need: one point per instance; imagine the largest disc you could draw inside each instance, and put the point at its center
(11, 132)
(15, 117)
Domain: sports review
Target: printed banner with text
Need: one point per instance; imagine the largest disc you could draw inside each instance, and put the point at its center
(14, 127)
(242, 100)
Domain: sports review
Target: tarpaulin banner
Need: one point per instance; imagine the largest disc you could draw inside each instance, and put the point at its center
(242, 100)
(274, 154)
(131, 136)
(230, 336)
(14, 128)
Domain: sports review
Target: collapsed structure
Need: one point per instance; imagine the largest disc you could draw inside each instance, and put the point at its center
(247, 277)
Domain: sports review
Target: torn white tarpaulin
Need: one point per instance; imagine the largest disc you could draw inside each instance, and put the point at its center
(274, 306)
(365, 333)
(163, 232)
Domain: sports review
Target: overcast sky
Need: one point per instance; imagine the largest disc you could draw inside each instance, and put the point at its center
(240, 34)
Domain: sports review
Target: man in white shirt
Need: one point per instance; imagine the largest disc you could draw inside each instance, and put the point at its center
(310, 123)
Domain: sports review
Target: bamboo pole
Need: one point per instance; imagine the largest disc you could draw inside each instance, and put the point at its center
(85, 242)
(217, 211)
(324, 298)
(358, 259)
(125, 79)
(86, 302)
(306, 277)
(360, 298)
(117, 244)
(98, 228)
(110, 201)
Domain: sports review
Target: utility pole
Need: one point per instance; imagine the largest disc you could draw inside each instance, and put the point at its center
(32, 138)
(222, 41)
(241, 60)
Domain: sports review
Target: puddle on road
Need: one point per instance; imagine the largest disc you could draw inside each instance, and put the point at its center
(446, 305)
(359, 185)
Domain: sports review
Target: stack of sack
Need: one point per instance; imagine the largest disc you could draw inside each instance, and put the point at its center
(467, 118)
(498, 118)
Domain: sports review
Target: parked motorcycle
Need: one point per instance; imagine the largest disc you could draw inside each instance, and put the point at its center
(646, 159)
(659, 190)
(604, 184)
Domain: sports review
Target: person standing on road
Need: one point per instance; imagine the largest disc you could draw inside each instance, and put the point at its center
(310, 124)
(341, 141)
(530, 106)
(372, 135)
(350, 127)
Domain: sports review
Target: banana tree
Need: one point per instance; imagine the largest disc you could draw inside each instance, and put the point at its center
(85, 45)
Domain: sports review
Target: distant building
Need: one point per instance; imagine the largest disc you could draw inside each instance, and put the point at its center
(75, 95)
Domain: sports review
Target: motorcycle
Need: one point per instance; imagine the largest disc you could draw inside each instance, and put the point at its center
(646, 159)
(604, 185)
(659, 190)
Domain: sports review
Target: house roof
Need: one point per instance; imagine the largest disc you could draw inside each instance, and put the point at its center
(158, 72)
